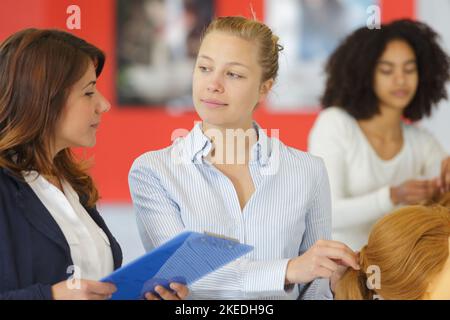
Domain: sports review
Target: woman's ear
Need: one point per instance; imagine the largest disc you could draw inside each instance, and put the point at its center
(265, 89)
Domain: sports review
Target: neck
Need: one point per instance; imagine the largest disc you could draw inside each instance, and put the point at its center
(232, 144)
(386, 124)
(55, 148)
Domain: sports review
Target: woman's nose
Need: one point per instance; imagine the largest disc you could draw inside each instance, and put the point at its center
(104, 105)
(215, 85)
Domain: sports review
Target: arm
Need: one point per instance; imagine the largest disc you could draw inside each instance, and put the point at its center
(329, 140)
(318, 227)
(159, 219)
(7, 262)
(433, 154)
(34, 292)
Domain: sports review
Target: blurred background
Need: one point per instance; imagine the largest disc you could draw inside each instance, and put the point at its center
(151, 46)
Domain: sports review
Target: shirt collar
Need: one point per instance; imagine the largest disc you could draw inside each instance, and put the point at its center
(197, 146)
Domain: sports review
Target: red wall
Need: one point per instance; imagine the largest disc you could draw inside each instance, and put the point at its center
(126, 133)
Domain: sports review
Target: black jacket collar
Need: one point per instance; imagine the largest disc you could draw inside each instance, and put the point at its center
(38, 216)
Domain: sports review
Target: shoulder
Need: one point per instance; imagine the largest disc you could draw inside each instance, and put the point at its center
(419, 135)
(8, 182)
(333, 128)
(303, 163)
(332, 121)
(335, 114)
(9, 189)
(156, 162)
(152, 158)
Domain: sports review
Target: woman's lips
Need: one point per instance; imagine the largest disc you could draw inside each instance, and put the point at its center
(213, 104)
(400, 93)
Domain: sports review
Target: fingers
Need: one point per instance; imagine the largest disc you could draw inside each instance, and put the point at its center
(87, 290)
(328, 264)
(166, 294)
(150, 296)
(338, 251)
(181, 290)
(335, 244)
(416, 191)
(416, 198)
(447, 181)
(338, 254)
(433, 187)
(445, 175)
(423, 188)
(100, 288)
(93, 296)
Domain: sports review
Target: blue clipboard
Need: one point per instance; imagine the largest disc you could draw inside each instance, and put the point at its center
(183, 259)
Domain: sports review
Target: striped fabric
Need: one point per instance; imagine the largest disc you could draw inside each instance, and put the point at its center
(177, 189)
(198, 255)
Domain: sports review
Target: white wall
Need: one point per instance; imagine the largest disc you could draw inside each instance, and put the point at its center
(121, 221)
(436, 13)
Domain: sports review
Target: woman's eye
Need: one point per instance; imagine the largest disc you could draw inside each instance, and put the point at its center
(386, 72)
(89, 94)
(203, 68)
(234, 75)
(410, 70)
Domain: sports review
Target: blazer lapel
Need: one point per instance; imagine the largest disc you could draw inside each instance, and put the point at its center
(38, 216)
(115, 247)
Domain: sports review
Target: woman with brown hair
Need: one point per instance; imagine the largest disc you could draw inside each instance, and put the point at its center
(50, 229)
(406, 258)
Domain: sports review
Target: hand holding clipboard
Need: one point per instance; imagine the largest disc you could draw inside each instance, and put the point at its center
(183, 259)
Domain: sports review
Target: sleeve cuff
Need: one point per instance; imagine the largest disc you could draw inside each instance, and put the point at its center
(323, 290)
(319, 289)
(46, 291)
(267, 277)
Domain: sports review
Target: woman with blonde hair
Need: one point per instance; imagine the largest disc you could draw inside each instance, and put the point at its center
(406, 258)
(265, 194)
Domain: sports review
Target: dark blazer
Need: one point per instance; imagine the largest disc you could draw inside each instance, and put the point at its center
(34, 254)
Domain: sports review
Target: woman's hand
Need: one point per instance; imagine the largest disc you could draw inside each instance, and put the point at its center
(444, 181)
(180, 292)
(325, 259)
(414, 191)
(83, 290)
(336, 276)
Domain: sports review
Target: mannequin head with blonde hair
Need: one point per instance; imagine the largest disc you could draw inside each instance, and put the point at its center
(409, 248)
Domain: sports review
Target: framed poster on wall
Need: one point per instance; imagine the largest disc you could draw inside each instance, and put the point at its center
(157, 41)
(309, 30)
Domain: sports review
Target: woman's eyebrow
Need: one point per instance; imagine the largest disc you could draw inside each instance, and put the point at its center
(391, 64)
(232, 63)
(90, 83)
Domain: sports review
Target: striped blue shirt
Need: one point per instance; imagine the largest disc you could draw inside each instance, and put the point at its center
(177, 189)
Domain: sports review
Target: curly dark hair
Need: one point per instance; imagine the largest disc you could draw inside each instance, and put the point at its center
(350, 69)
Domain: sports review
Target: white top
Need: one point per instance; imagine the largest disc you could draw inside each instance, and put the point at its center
(89, 245)
(360, 180)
